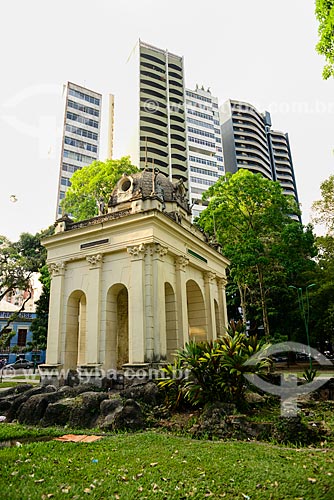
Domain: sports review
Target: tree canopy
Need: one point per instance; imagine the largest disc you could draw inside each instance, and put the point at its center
(323, 210)
(92, 185)
(251, 219)
(324, 11)
(18, 262)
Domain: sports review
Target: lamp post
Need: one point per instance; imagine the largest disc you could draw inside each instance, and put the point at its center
(304, 307)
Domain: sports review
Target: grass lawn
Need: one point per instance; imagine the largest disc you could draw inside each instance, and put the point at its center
(157, 465)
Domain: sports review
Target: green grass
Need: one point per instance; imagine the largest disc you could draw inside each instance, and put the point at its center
(153, 465)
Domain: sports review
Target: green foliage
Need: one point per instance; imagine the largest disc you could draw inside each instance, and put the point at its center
(39, 325)
(251, 219)
(322, 295)
(208, 372)
(309, 374)
(324, 12)
(93, 184)
(323, 210)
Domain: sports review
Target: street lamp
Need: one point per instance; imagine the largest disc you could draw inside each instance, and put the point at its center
(304, 307)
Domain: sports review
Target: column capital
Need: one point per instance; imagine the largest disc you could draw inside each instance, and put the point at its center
(209, 277)
(181, 262)
(137, 252)
(158, 250)
(57, 268)
(222, 281)
(95, 261)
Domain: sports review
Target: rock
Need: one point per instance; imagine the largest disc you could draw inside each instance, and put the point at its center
(22, 398)
(86, 409)
(109, 405)
(5, 404)
(128, 416)
(254, 398)
(58, 413)
(18, 389)
(147, 393)
(33, 410)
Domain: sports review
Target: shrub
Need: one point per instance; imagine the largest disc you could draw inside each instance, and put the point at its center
(208, 372)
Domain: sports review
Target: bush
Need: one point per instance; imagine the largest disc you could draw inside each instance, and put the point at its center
(208, 372)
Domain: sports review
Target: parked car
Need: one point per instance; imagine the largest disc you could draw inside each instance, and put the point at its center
(19, 363)
(279, 358)
(302, 356)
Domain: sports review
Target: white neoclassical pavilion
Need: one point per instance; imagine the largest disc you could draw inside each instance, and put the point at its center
(132, 285)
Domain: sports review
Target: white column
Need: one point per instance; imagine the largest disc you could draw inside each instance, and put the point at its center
(181, 263)
(56, 313)
(209, 282)
(137, 305)
(93, 309)
(221, 283)
(159, 308)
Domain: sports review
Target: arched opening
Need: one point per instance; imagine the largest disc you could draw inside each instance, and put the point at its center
(76, 330)
(117, 328)
(217, 317)
(196, 313)
(171, 322)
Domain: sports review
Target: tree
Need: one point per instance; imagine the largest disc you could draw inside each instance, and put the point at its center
(324, 11)
(92, 185)
(323, 210)
(18, 261)
(251, 219)
(39, 325)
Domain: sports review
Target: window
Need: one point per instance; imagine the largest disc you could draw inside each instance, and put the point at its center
(203, 161)
(202, 142)
(82, 119)
(201, 132)
(85, 97)
(198, 96)
(206, 182)
(82, 132)
(64, 181)
(204, 171)
(84, 109)
(80, 144)
(201, 115)
(78, 156)
(199, 123)
(21, 337)
(70, 168)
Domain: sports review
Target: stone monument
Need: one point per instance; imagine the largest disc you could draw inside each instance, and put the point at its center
(131, 286)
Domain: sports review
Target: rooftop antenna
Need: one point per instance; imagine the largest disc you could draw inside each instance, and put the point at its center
(132, 51)
(145, 166)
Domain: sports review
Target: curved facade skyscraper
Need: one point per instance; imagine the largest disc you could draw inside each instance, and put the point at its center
(162, 124)
(250, 143)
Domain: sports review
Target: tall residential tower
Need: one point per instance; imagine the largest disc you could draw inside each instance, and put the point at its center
(205, 154)
(250, 143)
(162, 123)
(81, 135)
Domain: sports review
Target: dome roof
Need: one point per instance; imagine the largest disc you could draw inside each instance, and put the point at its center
(148, 184)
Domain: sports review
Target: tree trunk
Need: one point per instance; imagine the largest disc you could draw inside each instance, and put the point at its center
(242, 293)
(263, 304)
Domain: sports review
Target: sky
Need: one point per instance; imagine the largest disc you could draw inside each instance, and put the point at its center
(259, 51)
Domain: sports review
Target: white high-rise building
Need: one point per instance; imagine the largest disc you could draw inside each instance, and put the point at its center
(81, 135)
(205, 153)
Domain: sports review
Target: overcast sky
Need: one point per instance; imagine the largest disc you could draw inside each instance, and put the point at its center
(259, 51)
